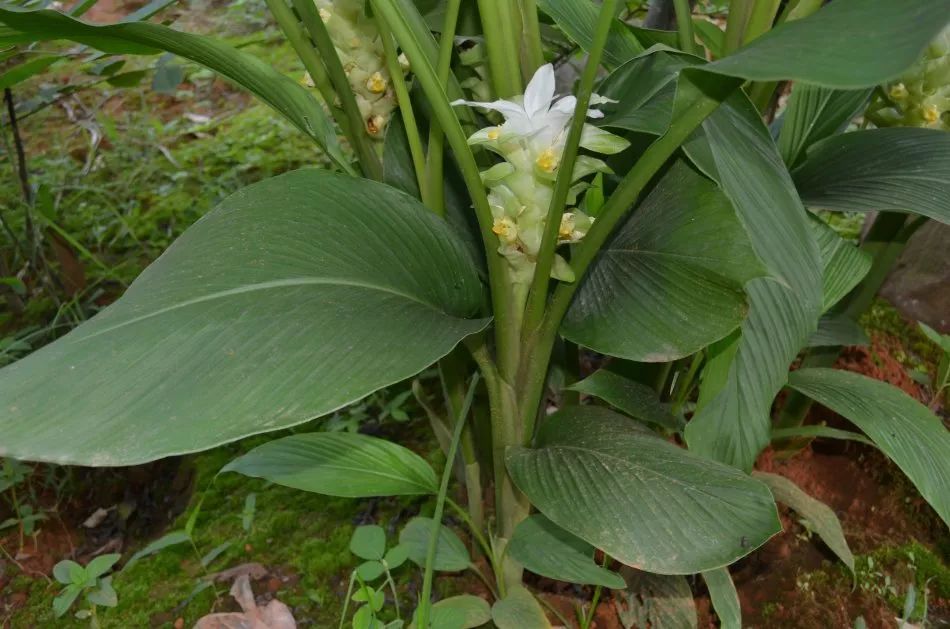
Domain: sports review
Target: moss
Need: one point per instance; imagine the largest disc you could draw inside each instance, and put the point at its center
(921, 352)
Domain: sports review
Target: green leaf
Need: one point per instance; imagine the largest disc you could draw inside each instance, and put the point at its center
(725, 599)
(819, 431)
(578, 19)
(65, 599)
(464, 611)
(814, 113)
(846, 44)
(519, 610)
(27, 69)
(837, 330)
(450, 553)
(732, 423)
(628, 396)
(166, 541)
(370, 570)
(396, 556)
(843, 264)
(638, 497)
(546, 549)
(674, 273)
(821, 519)
(368, 542)
(657, 600)
(903, 428)
(104, 595)
(342, 464)
(712, 37)
(214, 553)
(101, 564)
(902, 170)
(283, 94)
(291, 299)
(65, 569)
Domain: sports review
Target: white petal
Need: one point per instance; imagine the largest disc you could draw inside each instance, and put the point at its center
(540, 91)
(504, 107)
(565, 106)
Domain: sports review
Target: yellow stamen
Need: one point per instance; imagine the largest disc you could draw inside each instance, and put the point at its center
(376, 83)
(505, 228)
(547, 160)
(567, 226)
(493, 133)
(898, 91)
(931, 113)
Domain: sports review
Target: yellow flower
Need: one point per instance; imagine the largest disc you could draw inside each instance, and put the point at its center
(898, 91)
(376, 83)
(547, 160)
(567, 225)
(506, 229)
(493, 133)
(930, 113)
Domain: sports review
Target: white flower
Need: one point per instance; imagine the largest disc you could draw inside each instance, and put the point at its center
(538, 115)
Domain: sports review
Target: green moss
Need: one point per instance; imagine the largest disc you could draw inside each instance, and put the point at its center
(921, 352)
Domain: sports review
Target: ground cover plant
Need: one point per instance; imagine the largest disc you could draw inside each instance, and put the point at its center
(649, 217)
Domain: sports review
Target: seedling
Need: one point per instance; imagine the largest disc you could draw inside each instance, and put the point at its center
(89, 582)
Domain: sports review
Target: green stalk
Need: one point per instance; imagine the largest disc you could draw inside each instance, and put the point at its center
(423, 611)
(760, 19)
(434, 90)
(503, 71)
(684, 24)
(310, 18)
(685, 383)
(434, 160)
(541, 341)
(416, 152)
(739, 13)
(532, 49)
(538, 293)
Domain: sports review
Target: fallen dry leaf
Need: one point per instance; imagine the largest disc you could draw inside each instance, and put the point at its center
(274, 615)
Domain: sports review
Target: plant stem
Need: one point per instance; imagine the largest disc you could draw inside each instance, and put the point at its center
(424, 602)
(310, 58)
(416, 151)
(435, 191)
(684, 24)
(475, 530)
(532, 49)
(684, 384)
(502, 52)
(538, 293)
(541, 340)
(408, 37)
(312, 22)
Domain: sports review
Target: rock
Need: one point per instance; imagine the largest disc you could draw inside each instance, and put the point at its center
(919, 284)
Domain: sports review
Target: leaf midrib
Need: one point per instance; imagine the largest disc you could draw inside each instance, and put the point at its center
(287, 283)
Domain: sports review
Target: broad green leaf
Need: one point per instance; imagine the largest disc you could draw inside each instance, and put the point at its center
(464, 611)
(544, 548)
(628, 396)
(814, 113)
(104, 595)
(166, 541)
(368, 542)
(294, 297)
(450, 553)
(657, 600)
(283, 94)
(343, 464)
(846, 44)
(732, 423)
(903, 428)
(725, 599)
(902, 170)
(65, 569)
(578, 18)
(370, 570)
(712, 37)
(843, 264)
(837, 329)
(65, 599)
(396, 556)
(670, 281)
(101, 564)
(641, 499)
(821, 519)
(519, 610)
